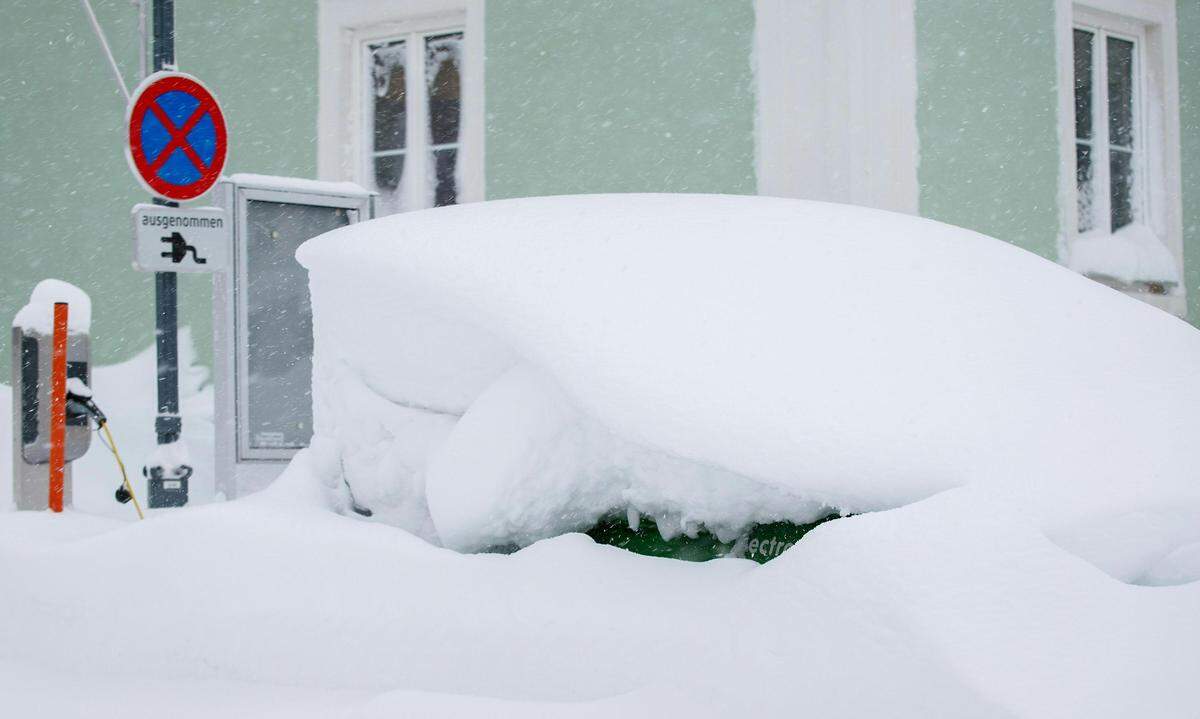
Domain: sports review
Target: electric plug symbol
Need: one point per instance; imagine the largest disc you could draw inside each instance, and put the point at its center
(180, 248)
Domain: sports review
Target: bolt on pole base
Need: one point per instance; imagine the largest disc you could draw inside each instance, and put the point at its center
(168, 470)
(167, 489)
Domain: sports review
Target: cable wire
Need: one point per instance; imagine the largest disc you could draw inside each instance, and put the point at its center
(112, 62)
(112, 447)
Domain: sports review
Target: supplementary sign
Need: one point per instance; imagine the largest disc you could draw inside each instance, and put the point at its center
(176, 138)
(174, 239)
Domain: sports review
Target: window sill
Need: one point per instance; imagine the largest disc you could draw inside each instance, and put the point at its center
(1175, 304)
(1132, 260)
(1168, 297)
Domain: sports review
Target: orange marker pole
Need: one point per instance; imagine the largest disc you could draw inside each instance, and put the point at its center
(58, 407)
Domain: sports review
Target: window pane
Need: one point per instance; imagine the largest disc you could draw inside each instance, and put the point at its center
(388, 82)
(1083, 187)
(1121, 176)
(1083, 84)
(447, 189)
(388, 171)
(1120, 92)
(443, 55)
(279, 321)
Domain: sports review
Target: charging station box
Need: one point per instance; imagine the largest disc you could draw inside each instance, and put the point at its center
(262, 321)
(32, 352)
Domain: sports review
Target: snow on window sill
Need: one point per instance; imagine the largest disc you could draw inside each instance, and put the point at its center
(1132, 259)
(1175, 304)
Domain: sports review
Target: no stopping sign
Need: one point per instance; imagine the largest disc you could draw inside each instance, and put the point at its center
(176, 140)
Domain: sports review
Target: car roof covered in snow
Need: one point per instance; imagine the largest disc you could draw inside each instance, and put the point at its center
(852, 357)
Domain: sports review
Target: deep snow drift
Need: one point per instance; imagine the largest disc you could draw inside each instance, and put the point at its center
(510, 383)
(954, 606)
(531, 364)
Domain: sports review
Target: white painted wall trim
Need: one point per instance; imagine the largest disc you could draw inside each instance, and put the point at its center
(341, 26)
(837, 97)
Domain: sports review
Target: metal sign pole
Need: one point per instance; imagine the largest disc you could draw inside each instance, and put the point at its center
(167, 425)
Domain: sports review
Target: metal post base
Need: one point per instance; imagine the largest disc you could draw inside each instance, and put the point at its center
(31, 485)
(167, 490)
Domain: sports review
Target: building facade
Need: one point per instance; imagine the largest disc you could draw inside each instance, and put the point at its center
(1069, 129)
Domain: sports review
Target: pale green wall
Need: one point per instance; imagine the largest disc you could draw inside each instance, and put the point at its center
(987, 118)
(1188, 14)
(64, 185)
(619, 96)
(582, 96)
(628, 96)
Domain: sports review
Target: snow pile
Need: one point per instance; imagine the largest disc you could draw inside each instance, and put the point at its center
(954, 606)
(532, 364)
(712, 360)
(295, 184)
(38, 314)
(1151, 545)
(1131, 254)
(523, 463)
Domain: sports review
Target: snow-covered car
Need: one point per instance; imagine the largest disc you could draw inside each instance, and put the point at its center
(489, 375)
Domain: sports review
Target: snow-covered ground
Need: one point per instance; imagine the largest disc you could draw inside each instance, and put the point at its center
(954, 606)
(1022, 477)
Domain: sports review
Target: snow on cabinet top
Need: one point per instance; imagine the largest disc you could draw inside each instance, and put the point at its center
(38, 314)
(856, 357)
(296, 184)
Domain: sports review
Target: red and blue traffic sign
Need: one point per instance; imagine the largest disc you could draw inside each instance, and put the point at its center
(176, 136)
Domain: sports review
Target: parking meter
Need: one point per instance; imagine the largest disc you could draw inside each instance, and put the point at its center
(32, 352)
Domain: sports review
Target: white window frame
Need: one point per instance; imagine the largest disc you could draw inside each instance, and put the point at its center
(1151, 25)
(1101, 141)
(345, 29)
(417, 148)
